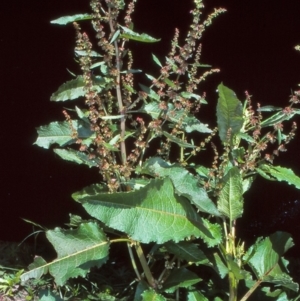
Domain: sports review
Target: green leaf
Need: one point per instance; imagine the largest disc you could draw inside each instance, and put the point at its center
(75, 88)
(268, 109)
(70, 19)
(115, 36)
(178, 141)
(90, 53)
(152, 213)
(61, 133)
(180, 278)
(230, 201)
(76, 157)
(219, 266)
(151, 93)
(266, 261)
(196, 296)
(279, 173)
(156, 60)
(189, 95)
(47, 295)
(78, 250)
(184, 182)
(279, 117)
(188, 121)
(151, 295)
(131, 35)
(187, 251)
(229, 113)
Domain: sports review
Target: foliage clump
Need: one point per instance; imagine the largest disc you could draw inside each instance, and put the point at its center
(145, 140)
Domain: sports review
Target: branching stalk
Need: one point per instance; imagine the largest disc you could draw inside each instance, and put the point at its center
(119, 94)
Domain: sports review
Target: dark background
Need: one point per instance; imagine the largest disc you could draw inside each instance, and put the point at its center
(253, 45)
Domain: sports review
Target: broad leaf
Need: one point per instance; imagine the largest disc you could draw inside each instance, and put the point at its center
(184, 182)
(229, 113)
(152, 213)
(70, 19)
(280, 174)
(230, 201)
(75, 88)
(61, 133)
(180, 278)
(266, 261)
(77, 251)
(131, 35)
(76, 157)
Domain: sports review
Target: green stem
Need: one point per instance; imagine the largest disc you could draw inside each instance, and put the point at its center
(233, 284)
(144, 264)
(138, 275)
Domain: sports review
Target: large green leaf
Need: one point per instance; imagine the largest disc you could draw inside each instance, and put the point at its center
(230, 201)
(229, 113)
(75, 88)
(184, 182)
(131, 35)
(152, 213)
(77, 251)
(280, 174)
(70, 19)
(61, 133)
(188, 121)
(266, 259)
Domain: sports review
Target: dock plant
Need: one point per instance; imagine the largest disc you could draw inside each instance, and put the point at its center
(175, 213)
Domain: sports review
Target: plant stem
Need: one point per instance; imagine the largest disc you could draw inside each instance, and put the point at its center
(119, 95)
(144, 264)
(233, 283)
(133, 262)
